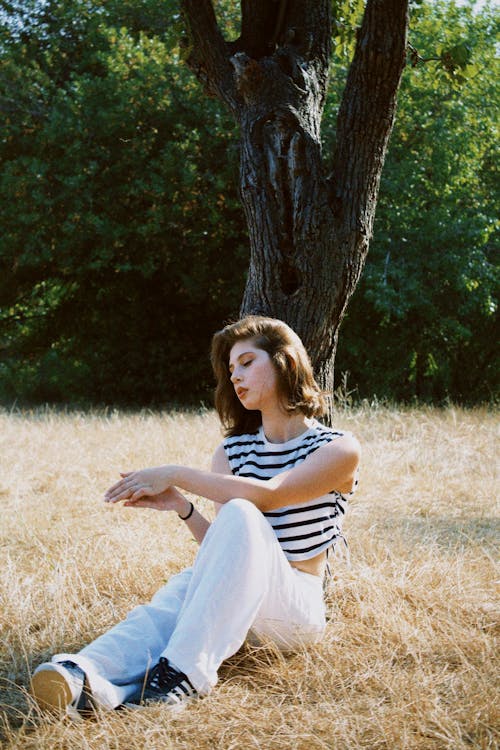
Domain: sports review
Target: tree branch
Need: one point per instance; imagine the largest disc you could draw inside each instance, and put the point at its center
(268, 24)
(367, 113)
(308, 27)
(207, 52)
(260, 22)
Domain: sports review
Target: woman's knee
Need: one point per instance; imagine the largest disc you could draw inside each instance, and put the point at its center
(240, 520)
(238, 506)
(242, 513)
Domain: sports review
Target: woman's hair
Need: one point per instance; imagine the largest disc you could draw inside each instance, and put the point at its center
(296, 384)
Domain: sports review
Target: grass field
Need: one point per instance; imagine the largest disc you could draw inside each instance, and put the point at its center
(409, 659)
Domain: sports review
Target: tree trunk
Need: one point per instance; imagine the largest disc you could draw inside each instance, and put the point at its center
(309, 233)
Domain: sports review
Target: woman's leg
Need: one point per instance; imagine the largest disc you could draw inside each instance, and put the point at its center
(116, 662)
(241, 580)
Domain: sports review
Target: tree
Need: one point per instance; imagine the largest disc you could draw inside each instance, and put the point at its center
(122, 239)
(310, 221)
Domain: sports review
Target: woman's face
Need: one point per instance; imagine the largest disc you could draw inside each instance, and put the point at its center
(253, 375)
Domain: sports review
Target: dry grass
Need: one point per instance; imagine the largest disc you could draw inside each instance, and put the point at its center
(409, 658)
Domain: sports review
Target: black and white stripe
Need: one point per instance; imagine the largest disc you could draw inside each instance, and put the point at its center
(304, 530)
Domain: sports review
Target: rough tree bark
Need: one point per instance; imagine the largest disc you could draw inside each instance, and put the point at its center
(309, 221)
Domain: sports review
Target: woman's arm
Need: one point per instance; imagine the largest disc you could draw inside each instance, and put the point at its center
(331, 467)
(220, 465)
(172, 499)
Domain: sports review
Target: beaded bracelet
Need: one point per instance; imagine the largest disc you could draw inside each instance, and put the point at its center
(185, 518)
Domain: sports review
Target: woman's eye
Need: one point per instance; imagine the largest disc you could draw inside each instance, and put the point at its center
(248, 362)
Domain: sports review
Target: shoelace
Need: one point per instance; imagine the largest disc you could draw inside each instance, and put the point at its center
(163, 676)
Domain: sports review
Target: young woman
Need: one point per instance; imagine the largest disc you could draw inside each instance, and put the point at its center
(280, 482)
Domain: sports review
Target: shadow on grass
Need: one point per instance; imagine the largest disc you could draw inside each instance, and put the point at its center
(448, 533)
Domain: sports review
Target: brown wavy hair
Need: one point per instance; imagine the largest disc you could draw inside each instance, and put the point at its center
(297, 387)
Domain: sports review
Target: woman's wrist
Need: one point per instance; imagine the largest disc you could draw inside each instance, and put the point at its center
(175, 475)
(181, 504)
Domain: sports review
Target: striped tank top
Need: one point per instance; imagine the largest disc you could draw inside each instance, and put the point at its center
(306, 529)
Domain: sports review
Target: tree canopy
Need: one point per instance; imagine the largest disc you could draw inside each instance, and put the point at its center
(123, 244)
(432, 276)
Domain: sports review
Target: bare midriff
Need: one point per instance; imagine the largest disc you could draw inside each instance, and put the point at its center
(314, 565)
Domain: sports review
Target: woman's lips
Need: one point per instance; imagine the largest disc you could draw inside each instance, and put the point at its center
(240, 392)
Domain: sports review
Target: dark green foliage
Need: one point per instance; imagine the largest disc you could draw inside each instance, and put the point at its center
(122, 240)
(422, 322)
(116, 172)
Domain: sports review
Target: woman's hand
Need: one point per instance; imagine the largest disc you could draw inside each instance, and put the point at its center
(170, 499)
(136, 484)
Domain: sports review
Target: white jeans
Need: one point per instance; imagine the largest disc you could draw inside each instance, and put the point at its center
(241, 581)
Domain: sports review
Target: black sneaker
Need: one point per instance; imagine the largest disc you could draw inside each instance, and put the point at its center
(165, 684)
(61, 686)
